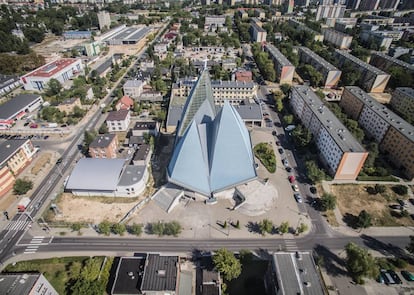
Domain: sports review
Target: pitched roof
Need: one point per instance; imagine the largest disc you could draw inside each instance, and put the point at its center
(102, 141)
(117, 115)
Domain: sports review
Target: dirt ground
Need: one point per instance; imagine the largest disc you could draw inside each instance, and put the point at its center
(53, 45)
(352, 199)
(81, 209)
(40, 163)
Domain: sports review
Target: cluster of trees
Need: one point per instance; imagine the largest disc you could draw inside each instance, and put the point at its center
(264, 152)
(350, 124)
(314, 172)
(301, 136)
(327, 202)
(308, 72)
(11, 64)
(22, 186)
(360, 263)
(106, 228)
(227, 264)
(52, 114)
(264, 63)
(172, 228)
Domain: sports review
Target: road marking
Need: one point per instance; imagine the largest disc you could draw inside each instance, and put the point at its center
(17, 225)
(29, 252)
(32, 247)
(38, 237)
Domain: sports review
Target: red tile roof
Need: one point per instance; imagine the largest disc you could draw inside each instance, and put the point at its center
(125, 103)
(52, 68)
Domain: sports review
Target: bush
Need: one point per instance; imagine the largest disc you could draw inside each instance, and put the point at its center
(76, 226)
(135, 229)
(22, 186)
(104, 227)
(172, 228)
(328, 202)
(264, 152)
(284, 227)
(118, 228)
(400, 189)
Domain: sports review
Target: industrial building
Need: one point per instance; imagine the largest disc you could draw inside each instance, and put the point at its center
(372, 79)
(341, 153)
(337, 38)
(331, 74)
(402, 101)
(394, 135)
(62, 70)
(128, 35)
(17, 107)
(284, 68)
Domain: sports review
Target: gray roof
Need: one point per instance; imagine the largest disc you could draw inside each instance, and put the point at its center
(321, 61)
(186, 283)
(142, 152)
(215, 84)
(407, 91)
(96, 174)
(131, 34)
(395, 61)
(339, 133)
(136, 140)
(383, 112)
(276, 54)
(18, 104)
(6, 80)
(160, 273)
(292, 273)
(117, 115)
(124, 282)
(133, 83)
(107, 63)
(8, 148)
(102, 141)
(145, 125)
(359, 62)
(18, 284)
(131, 175)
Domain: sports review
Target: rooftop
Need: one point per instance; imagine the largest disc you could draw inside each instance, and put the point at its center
(160, 273)
(120, 115)
(52, 68)
(257, 27)
(360, 63)
(133, 83)
(276, 54)
(406, 91)
(395, 61)
(18, 284)
(102, 141)
(339, 133)
(131, 175)
(142, 152)
(96, 174)
(146, 125)
(131, 34)
(128, 276)
(321, 61)
(387, 115)
(17, 104)
(329, 30)
(9, 147)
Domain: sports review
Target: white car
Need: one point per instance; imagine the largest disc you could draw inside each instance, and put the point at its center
(295, 187)
(298, 198)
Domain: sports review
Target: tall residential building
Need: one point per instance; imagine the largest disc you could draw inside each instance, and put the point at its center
(337, 38)
(402, 101)
(331, 74)
(372, 79)
(289, 5)
(284, 68)
(340, 152)
(394, 135)
(369, 4)
(104, 20)
(385, 62)
(258, 34)
(303, 3)
(389, 4)
(330, 11)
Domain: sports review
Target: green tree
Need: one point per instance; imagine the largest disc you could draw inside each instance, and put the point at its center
(284, 227)
(363, 219)
(302, 228)
(328, 201)
(314, 173)
(22, 186)
(288, 119)
(76, 226)
(400, 189)
(285, 88)
(103, 129)
(380, 188)
(104, 227)
(118, 228)
(266, 226)
(53, 87)
(400, 78)
(88, 138)
(360, 263)
(227, 264)
(135, 229)
(301, 136)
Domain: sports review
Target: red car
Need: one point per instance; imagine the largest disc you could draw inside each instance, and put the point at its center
(291, 179)
(33, 125)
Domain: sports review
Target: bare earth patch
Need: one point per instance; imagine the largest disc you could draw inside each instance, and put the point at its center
(40, 163)
(93, 209)
(353, 199)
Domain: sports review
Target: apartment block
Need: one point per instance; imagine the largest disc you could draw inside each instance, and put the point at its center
(384, 62)
(331, 74)
(394, 135)
(118, 120)
(372, 79)
(337, 38)
(330, 11)
(318, 37)
(284, 68)
(402, 101)
(258, 34)
(134, 88)
(104, 146)
(343, 24)
(104, 20)
(383, 41)
(369, 5)
(341, 153)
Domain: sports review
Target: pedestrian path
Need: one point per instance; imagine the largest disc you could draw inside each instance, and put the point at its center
(290, 245)
(34, 245)
(17, 225)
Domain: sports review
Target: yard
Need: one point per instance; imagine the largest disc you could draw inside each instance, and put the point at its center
(352, 199)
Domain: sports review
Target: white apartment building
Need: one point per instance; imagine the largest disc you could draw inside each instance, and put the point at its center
(118, 120)
(330, 11)
(104, 20)
(258, 34)
(341, 153)
(339, 39)
(133, 88)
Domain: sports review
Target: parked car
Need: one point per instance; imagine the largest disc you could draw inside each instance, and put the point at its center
(285, 162)
(288, 169)
(395, 277)
(313, 190)
(280, 150)
(402, 202)
(34, 125)
(298, 198)
(295, 188)
(291, 178)
(277, 142)
(411, 201)
(407, 275)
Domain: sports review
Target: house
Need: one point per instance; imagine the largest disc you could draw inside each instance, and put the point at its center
(15, 155)
(17, 107)
(134, 88)
(26, 284)
(243, 76)
(125, 103)
(68, 105)
(142, 155)
(118, 120)
(134, 141)
(104, 146)
(151, 96)
(149, 127)
(107, 178)
(62, 70)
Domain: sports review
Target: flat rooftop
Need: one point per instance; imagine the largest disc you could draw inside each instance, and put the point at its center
(321, 61)
(160, 273)
(360, 63)
(102, 141)
(128, 277)
(18, 284)
(52, 68)
(8, 148)
(339, 133)
(332, 31)
(276, 54)
(406, 91)
(131, 34)
(17, 104)
(386, 114)
(257, 27)
(131, 175)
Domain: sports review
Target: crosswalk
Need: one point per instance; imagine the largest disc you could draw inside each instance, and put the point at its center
(17, 225)
(290, 245)
(34, 245)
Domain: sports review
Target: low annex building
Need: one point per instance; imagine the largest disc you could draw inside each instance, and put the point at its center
(26, 284)
(17, 107)
(107, 178)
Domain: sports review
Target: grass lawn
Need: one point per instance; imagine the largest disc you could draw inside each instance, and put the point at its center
(58, 271)
(251, 280)
(352, 199)
(264, 152)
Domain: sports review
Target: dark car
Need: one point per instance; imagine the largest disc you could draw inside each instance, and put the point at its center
(288, 169)
(59, 161)
(280, 150)
(395, 277)
(407, 275)
(401, 202)
(313, 190)
(411, 201)
(396, 206)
